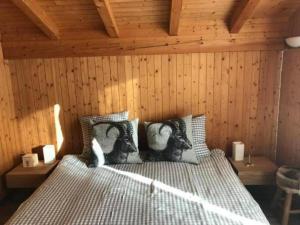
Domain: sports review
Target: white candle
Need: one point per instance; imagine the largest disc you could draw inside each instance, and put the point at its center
(30, 160)
(238, 150)
(49, 154)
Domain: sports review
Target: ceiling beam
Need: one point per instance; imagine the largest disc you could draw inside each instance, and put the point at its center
(38, 16)
(242, 14)
(134, 46)
(176, 8)
(1, 58)
(107, 16)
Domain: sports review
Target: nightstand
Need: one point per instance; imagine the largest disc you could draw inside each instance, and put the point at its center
(32, 177)
(263, 172)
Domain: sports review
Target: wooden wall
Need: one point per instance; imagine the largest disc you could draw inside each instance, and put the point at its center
(288, 151)
(294, 22)
(238, 91)
(289, 119)
(9, 146)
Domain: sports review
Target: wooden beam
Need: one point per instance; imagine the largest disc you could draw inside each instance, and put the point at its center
(107, 16)
(242, 14)
(1, 56)
(38, 16)
(176, 8)
(1, 53)
(133, 46)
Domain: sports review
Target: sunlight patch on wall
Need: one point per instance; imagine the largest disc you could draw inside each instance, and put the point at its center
(58, 131)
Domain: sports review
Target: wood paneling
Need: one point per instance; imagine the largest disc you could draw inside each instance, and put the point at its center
(10, 146)
(238, 91)
(294, 28)
(276, 8)
(288, 151)
(107, 16)
(242, 14)
(38, 16)
(143, 27)
(222, 10)
(134, 46)
(289, 117)
(175, 15)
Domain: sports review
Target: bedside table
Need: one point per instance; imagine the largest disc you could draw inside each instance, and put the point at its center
(262, 173)
(32, 177)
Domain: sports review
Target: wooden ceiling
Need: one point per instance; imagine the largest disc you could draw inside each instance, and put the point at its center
(34, 28)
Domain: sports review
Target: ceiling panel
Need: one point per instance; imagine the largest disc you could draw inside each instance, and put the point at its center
(276, 8)
(208, 10)
(141, 11)
(73, 14)
(79, 19)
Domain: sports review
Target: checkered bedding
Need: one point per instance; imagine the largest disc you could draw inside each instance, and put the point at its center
(134, 194)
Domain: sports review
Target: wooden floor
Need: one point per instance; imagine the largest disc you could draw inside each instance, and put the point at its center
(273, 217)
(262, 196)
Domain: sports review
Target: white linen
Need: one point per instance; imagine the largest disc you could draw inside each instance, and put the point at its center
(135, 194)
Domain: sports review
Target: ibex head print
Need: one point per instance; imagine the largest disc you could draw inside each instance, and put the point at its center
(177, 142)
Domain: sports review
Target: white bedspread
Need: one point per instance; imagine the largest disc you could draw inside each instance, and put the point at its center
(135, 194)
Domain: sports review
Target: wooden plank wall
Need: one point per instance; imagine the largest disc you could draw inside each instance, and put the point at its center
(289, 117)
(9, 146)
(238, 91)
(294, 22)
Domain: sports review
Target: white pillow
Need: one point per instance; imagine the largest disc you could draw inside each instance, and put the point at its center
(199, 136)
(87, 128)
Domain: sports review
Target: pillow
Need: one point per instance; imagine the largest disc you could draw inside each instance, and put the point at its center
(114, 143)
(199, 137)
(87, 128)
(171, 140)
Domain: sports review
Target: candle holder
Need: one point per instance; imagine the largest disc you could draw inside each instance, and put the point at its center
(249, 162)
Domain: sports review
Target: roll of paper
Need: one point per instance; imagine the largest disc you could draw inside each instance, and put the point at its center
(238, 150)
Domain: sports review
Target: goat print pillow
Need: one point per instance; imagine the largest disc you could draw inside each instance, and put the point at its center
(171, 140)
(115, 143)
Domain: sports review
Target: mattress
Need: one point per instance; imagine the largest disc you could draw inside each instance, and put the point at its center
(135, 194)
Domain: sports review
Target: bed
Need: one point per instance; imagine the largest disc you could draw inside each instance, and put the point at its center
(149, 193)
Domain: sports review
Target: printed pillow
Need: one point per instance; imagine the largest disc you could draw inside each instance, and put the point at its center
(171, 140)
(199, 137)
(114, 143)
(87, 128)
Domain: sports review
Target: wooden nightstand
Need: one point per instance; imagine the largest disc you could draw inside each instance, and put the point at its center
(21, 177)
(262, 173)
